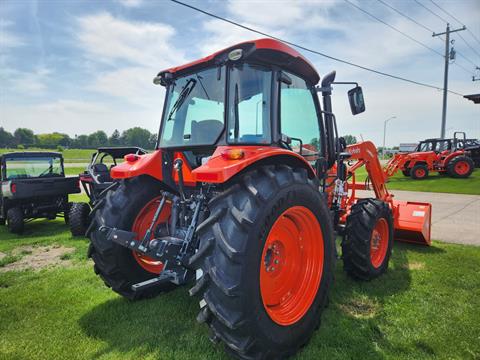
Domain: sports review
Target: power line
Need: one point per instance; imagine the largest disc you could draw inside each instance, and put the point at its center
(453, 17)
(430, 11)
(445, 11)
(406, 16)
(394, 28)
(310, 50)
(411, 38)
(465, 41)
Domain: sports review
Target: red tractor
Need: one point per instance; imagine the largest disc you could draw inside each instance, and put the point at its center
(445, 156)
(244, 198)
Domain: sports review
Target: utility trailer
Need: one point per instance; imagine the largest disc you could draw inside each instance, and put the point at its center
(95, 180)
(243, 198)
(33, 185)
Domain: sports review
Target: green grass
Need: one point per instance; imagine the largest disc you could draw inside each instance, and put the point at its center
(434, 183)
(424, 307)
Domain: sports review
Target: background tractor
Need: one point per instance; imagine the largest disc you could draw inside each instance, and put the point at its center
(244, 197)
(445, 156)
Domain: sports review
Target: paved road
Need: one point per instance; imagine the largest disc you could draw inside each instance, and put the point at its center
(455, 218)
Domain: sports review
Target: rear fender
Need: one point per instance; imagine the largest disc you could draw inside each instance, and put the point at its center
(148, 164)
(220, 168)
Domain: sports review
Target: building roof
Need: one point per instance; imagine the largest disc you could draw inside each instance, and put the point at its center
(474, 97)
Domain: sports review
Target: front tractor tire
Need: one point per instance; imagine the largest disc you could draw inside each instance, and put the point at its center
(368, 241)
(266, 255)
(419, 172)
(130, 207)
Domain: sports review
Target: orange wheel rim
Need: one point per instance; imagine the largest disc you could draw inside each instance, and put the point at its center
(379, 243)
(292, 265)
(461, 167)
(140, 226)
(420, 173)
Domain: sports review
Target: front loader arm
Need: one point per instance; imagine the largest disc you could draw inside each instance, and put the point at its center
(366, 154)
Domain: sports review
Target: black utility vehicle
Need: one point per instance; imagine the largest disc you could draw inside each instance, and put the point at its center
(95, 179)
(33, 185)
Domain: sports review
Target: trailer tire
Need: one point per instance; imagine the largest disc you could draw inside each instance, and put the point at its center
(234, 243)
(79, 218)
(115, 264)
(419, 172)
(460, 167)
(66, 213)
(15, 222)
(369, 220)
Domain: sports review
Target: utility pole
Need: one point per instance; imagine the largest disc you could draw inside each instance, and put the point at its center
(385, 132)
(445, 76)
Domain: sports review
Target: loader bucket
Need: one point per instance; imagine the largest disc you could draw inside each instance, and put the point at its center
(413, 222)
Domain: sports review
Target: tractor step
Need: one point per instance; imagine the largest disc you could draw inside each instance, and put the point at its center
(165, 277)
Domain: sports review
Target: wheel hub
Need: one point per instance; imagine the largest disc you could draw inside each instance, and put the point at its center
(291, 265)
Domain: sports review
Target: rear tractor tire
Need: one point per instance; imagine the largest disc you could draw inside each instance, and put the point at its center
(79, 218)
(15, 222)
(460, 167)
(419, 172)
(130, 207)
(266, 255)
(368, 239)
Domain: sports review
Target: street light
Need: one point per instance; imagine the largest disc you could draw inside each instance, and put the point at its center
(385, 132)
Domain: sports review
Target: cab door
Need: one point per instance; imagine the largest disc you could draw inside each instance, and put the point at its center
(298, 118)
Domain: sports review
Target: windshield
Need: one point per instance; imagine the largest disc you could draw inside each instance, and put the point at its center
(31, 167)
(194, 112)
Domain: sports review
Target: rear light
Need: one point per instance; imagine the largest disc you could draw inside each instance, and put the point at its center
(233, 154)
(13, 188)
(131, 157)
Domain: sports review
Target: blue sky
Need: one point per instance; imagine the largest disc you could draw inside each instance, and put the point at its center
(80, 66)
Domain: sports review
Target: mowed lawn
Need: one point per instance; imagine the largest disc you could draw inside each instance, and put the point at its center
(426, 306)
(69, 155)
(433, 183)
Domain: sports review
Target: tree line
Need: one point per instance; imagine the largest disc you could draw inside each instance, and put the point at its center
(25, 138)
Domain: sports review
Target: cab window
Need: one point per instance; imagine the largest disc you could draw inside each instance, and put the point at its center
(298, 117)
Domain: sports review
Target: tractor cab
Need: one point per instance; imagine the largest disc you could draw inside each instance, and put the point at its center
(255, 94)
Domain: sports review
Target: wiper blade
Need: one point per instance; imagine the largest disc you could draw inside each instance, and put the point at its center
(187, 89)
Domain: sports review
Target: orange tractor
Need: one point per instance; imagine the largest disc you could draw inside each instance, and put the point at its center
(445, 156)
(244, 198)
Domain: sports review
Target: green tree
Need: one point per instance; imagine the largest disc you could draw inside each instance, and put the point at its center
(6, 138)
(52, 140)
(97, 139)
(137, 137)
(114, 140)
(350, 139)
(81, 142)
(24, 136)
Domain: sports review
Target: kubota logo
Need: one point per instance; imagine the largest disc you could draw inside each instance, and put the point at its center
(355, 150)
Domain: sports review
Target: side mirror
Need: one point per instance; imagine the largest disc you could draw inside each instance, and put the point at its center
(357, 103)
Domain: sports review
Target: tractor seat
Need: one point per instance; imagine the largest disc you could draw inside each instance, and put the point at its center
(101, 173)
(205, 131)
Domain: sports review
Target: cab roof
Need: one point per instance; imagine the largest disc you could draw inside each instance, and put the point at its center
(268, 51)
(27, 154)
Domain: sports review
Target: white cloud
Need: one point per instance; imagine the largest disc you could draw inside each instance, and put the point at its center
(131, 3)
(7, 38)
(106, 38)
(137, 50)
